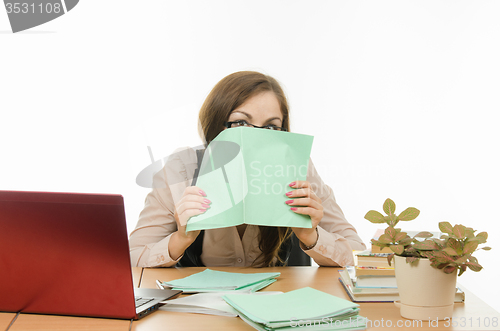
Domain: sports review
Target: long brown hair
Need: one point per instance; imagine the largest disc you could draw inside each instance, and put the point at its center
(230, 93)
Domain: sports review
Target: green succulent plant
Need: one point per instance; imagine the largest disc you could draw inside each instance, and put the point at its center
(450, 252)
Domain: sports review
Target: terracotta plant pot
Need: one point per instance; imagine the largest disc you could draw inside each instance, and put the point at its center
(425, 292)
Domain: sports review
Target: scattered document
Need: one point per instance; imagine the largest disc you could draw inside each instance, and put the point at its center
(206, 303)
(246, 173)
(303, 308)
(218, 281)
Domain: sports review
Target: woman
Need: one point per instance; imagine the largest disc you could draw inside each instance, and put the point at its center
(160, 239)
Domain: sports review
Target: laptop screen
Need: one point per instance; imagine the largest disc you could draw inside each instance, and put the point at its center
(65, 253)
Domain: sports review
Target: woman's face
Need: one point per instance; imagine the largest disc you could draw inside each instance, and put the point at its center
(260, 110)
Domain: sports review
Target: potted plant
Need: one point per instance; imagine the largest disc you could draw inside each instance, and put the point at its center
(426, 267)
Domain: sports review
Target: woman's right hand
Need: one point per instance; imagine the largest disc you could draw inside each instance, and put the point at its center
(193, 202)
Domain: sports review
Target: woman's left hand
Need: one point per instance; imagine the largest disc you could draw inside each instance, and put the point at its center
(304, 201)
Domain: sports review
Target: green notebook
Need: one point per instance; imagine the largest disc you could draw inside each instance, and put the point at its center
(245, 172)
(294, 308)
(215, 281)
(350, 323)
(330, 324)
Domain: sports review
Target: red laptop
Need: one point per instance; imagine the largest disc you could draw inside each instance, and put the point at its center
(68, 254)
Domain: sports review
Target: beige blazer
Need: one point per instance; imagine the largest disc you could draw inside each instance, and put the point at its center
(223, 247)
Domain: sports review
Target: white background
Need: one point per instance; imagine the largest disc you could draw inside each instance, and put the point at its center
(402, 98)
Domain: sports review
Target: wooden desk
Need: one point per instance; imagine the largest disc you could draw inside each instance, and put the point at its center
(5, 320)
(381, 315)
(32, 322)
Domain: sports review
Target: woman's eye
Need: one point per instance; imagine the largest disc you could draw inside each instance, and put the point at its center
(271, 127)
(240, 123)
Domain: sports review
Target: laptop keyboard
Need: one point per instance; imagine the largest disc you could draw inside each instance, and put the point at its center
(139, 301)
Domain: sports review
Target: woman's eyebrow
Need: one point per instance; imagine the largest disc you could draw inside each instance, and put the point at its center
(272, 119)
(250, 116)
(241, 112)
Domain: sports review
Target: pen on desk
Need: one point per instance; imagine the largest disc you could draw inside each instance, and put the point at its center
(160, 286)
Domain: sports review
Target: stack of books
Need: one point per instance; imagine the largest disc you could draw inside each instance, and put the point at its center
(372, 279)
(373, 262)
(220, 281)
(376, 289)
(369, 259)
(370, 288)
(304, 309)
(368, 263)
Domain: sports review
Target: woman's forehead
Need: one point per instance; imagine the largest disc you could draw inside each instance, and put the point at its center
(264, 104)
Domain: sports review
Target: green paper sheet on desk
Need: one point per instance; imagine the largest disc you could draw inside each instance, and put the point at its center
(245, 173)
(216, 281)
(284, 311)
